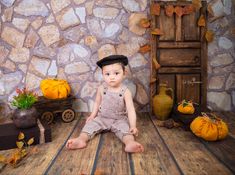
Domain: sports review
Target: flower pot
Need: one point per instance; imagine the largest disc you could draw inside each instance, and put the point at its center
(25, 118)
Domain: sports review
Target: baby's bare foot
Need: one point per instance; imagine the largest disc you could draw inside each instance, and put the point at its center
(76, 143)
(134, 147)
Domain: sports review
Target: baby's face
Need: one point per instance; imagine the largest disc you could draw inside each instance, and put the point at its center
(113, 74)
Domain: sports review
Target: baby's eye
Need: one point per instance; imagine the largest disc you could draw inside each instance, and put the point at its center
(107, 74)
(116, 73)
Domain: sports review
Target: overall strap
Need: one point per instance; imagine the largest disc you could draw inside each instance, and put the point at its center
(122, 91)
(105, 88)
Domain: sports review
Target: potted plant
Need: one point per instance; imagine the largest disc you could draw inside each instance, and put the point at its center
(25, 115)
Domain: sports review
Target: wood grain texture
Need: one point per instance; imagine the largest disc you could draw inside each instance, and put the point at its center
(176, 45)
(41, 160)
(179, 70)
(76, 161)
(191, 32)
(156, 158)
(112, 159)
(191, 155)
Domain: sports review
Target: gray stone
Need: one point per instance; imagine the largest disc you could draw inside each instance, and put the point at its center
(227, 6)
(224, 70)
(67, 18)
(78, 2)
(81, 78)
(212, 48)
(53, 70)
(133, 23)
(137, 60)
(111, 30)
(37, 23)
(7, 15)
(8, 66)
(81, 12)
(221, 60)
(95, 27)
(89, 89)
(112, 3)
(32, 8)
(75, 34)
(50, 19)
(89, 7)
(141, 96)
(20, 54)
(32, 81)
(216, 82)
(105, 13)
(131, 5)
(39, 66)
(12, 36)
(23, 67)
(3, 53)
(49, 34)
(230, 83)
(225, 43)
(141, 76)
(217, 8)
(72, 52)
(21, 23)
(31, 39)
(7, 3)
(76, 67)
(58, 5)
(45, 52)
(128, 49)
(106, 50)
(9, 82)
(221, 100)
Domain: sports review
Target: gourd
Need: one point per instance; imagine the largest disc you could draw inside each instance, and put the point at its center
(209, 128)
(55, 88)
(186, 107)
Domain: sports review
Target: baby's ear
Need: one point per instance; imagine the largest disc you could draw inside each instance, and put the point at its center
(125, 72)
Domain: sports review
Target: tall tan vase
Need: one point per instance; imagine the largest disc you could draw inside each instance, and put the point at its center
(163, 103)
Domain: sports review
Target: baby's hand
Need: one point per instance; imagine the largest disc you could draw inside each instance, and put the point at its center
(134, 131)
(89, 118)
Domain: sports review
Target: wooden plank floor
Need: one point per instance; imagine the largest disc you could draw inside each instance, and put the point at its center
(167, 151)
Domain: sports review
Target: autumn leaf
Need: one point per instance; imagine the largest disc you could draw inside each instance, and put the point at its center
(155, 9)
(15, 158)
(23, 153)
(153, 80)
(156, 31)
(144, 49)
(2, 158)
(188, 9)
(20, 144)
(179, 11)
(197, 4)
(21, 136)
(30, 141)
(156, 64)
(202, 21)
(169, 9)
(209, 36)
(145, 23)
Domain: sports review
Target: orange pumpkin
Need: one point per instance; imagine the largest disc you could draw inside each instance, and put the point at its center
(186, 107)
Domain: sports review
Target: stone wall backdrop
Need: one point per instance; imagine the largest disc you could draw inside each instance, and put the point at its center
(65, 38)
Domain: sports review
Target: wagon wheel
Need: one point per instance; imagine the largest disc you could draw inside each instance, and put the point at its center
(48, 117)
(68, 115)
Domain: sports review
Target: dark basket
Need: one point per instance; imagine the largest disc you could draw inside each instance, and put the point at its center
(185, 119)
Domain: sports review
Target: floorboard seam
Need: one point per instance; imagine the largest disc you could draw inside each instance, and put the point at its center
(220, 160)
(97, 154)
(131, 164)
(177, 165)
(61, 148)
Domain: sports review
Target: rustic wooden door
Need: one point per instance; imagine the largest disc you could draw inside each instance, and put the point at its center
(181, 51)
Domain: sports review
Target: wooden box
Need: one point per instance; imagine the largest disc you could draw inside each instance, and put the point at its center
(9, 134)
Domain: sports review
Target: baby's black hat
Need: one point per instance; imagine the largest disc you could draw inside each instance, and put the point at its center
(112, 59)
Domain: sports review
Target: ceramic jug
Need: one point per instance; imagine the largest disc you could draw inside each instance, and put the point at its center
(163, 103)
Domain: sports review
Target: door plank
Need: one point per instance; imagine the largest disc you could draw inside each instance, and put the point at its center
(191, 31)
(176, 45)
(178, 30)
(156, 158)
(179, 57)
(191, 155)
(76, 161)
(112, 159)
(41, 160)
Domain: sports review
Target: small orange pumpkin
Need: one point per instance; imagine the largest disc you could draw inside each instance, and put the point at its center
(55, 89)
(186, 107)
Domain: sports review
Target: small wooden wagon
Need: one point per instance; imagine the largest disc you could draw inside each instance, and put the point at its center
(48, 108)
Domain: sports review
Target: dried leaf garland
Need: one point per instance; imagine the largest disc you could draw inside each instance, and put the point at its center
(144, 49)
(21, 136)
(169, 9)
(179, 11)
(210, 10)
(20, 144)
(188, 9)
(202, 21)
(30, 141)
(153, 80)
(197, 4)
(155, 9)
(209, 36)
(144, 22)
(156, 31)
